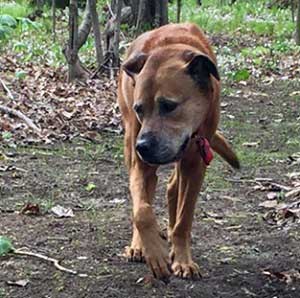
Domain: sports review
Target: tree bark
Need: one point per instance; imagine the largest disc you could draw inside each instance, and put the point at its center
(298, 25)
(126, 17)
(164, 12)
(158, 14)
(97, 33)
(152, 13)
(73, 41)
(116, 42)
(85, 26)
(178, 10)
(75, 69)
(141, 14)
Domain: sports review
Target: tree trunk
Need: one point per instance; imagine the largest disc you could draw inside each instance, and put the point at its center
(126, 18)
(85, 26)
(164, 12)
(76, 40)
(73, 41)
(178, 11)
(116, 59)
(298, 25)
(97, 33)
(141, 13)
(39, 4)
(145, 13)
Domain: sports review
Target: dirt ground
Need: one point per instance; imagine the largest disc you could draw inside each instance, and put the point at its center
(241, 253)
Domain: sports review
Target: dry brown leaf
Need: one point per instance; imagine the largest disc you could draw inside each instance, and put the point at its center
(30, 209)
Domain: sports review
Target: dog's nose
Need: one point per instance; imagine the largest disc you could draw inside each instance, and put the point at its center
(145, 146)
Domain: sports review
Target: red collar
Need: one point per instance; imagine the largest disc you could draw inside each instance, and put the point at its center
(204, 148)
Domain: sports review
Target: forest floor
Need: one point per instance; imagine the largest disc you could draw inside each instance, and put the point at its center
(246, 229)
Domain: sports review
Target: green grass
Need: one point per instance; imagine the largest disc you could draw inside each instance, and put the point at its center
(109, 146)
(30, 40)
(16, 9)
(251, 17)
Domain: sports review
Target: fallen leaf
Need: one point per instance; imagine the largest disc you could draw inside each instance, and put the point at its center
(250, 144)
(285, 276)
(60, 211)
(269, 204)
(117, 201)
(293, 193)
(271, 195)
(294, 93)
(30, 209)
(141, 279)
(19, 283)
(293, 175)
(230, 116)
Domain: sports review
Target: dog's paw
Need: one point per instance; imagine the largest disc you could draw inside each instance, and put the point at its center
(188, 270)
(185, 267)
(134, 254)
(159, 263)
(156, 255)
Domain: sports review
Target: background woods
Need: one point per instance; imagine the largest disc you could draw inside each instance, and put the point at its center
(112, 24)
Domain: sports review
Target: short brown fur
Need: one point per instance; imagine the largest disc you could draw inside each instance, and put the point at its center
(157, 66)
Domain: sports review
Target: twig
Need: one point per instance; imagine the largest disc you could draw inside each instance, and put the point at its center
(7, 90)
(110, 10)
(293, 193)
(20, 115)
(48, 259)
(256, 180)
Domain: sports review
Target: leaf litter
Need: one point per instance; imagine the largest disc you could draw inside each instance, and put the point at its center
(283, 202)
(60, 110)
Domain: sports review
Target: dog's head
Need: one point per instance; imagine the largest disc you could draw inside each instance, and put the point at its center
(172, 98)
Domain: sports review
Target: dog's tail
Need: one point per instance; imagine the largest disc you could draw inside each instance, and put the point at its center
(222, 147)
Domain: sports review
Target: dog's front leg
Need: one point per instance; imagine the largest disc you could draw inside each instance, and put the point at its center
(190, 174)
(143, 181)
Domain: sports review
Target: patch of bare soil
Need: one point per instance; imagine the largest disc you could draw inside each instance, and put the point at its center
(246, 245)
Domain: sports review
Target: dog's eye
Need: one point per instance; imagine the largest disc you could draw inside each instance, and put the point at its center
(138, 108)
(166, 106)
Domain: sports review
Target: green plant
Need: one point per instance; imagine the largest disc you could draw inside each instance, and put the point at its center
(7, 23)
(15, 9)
(244, 16)
(5, 246)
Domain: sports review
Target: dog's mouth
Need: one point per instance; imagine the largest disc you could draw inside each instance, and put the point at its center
(165, 158)
(182, 149)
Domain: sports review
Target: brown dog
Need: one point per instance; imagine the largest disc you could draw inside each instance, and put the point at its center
(169, 90)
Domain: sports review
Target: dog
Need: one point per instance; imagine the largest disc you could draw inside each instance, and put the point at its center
(169, 94)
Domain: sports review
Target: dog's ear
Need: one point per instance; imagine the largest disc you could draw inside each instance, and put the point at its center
(134, 64)
(200, 67)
